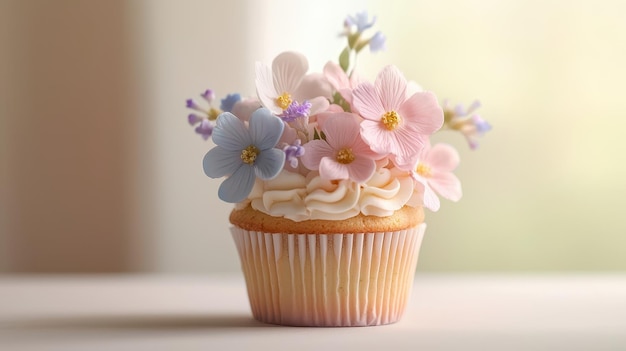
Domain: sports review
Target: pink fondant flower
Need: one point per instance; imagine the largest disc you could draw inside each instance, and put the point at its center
(395, 124)
(287, 82)
(343, 155)
(434, 174)
(340, 80)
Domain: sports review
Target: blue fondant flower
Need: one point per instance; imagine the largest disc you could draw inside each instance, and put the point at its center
(361, 21)
(229, 102)
(378, 42)
(243, 153)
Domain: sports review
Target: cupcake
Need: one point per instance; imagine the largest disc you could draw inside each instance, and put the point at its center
(355, 272)
(329, 175)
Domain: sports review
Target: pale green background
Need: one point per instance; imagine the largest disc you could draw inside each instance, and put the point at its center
(545, 190)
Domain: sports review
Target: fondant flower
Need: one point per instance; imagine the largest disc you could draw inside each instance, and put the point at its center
(244, 108)
(243, 153)
(378, 42)
(205, 128)
(339, 79)
(434, 173)
(296, 111)
(394, 124)
(343, 155)
(229, 102)
(278, 87)
(292, 152)
(470, 124)
(361, 21)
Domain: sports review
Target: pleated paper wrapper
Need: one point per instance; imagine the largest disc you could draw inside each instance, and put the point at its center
(329, 279)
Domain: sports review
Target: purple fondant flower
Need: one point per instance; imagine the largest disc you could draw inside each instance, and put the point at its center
(205, 129)
(470, 124)
(292, 152)
(295, 111)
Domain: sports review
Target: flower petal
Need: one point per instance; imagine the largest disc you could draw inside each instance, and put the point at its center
(341, 130)
(244, 108)
(219, 162)
(406, 163)
(269, 163)
(336, 76)
(313, 85)
(391, 86)
(265, 87)
(379, 139)
(443, 157)
(447, 185)
(367, 102)
(318, 105)
(314, 151)
(431, 201)
(346, 94)
(412, 87)
(422, 113)
(361, 169)
(238, 186)
(231, 133)
(410, 143)
(331, 169)
(361, 148)
(265, 129)
(288, 69)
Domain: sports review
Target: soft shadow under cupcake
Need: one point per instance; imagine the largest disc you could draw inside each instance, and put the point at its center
(218, 322)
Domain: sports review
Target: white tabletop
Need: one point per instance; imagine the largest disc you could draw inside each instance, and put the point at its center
(446, 312)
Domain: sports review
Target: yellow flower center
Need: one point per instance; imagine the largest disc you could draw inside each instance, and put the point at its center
(390, 119)
(345, 156)
(249, 154)
(448, 115)
(424, 170)
(213, 113)
(284, 100)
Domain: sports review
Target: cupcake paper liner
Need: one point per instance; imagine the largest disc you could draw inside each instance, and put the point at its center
(329, 279)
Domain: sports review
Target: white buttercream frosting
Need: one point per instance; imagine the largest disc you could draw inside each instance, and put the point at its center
(296, 197)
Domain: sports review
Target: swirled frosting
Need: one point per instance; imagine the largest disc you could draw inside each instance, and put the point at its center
(297, 197)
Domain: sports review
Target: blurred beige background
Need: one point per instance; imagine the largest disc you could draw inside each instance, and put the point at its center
(99, 171)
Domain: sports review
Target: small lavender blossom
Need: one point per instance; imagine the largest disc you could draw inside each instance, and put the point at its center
(208, 95)
(205, 129)
(229, 102)
(360, 21)
(470, 124)
(292, 152)
(378, 42)
(482, 126)
(295, 111)
(194, 119)
(460, 110)
(192, 105)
